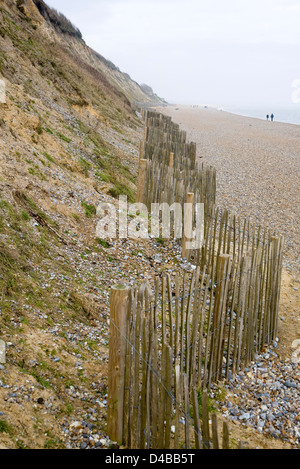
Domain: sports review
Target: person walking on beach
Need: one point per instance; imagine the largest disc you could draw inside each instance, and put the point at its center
(272, 117)
(268, 117)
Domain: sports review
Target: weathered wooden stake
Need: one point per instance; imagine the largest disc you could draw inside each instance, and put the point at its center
(2, 352)
(226, 435)
(142, 150)
(188, 226)
(205, 421)
(119, 303)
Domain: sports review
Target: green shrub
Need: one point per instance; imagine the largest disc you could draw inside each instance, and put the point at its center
(25, 215)
(90, 210)
(85, 166)
(120, 189)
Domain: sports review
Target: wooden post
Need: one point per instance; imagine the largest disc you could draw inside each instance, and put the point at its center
(188, 226)
(275, 287)
(226, 435)
(168, 406)
(119, 303)
(142, 180)
(146, 131)
(215, 438)
(178, 387)
(196, 420)
(171, 162)
(223, 268)
(186, 409)
(142, 150)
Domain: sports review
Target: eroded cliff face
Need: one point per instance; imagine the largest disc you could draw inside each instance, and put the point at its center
(57, 29)
(69, 140)
(60, 98)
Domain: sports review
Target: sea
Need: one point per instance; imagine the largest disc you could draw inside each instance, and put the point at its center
(288, 115)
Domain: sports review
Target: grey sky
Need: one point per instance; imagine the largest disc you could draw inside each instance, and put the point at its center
(222, 52)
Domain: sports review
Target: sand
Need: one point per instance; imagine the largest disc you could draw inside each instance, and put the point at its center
(258, 168)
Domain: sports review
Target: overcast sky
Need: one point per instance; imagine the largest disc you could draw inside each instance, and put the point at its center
(221, 52)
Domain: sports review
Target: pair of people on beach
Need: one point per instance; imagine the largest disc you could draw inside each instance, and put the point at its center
(272, 117)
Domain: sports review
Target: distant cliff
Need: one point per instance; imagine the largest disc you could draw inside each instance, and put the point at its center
(56, 27)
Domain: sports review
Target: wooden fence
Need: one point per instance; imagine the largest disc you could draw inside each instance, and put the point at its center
(169, 168)
(180, 335)
(253, 276)
(172, 339)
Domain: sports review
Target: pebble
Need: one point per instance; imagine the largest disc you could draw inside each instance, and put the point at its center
(266, 398)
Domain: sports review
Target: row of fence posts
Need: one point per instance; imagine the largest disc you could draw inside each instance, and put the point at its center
(152, 402)
(173, 339)
(169, 169)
